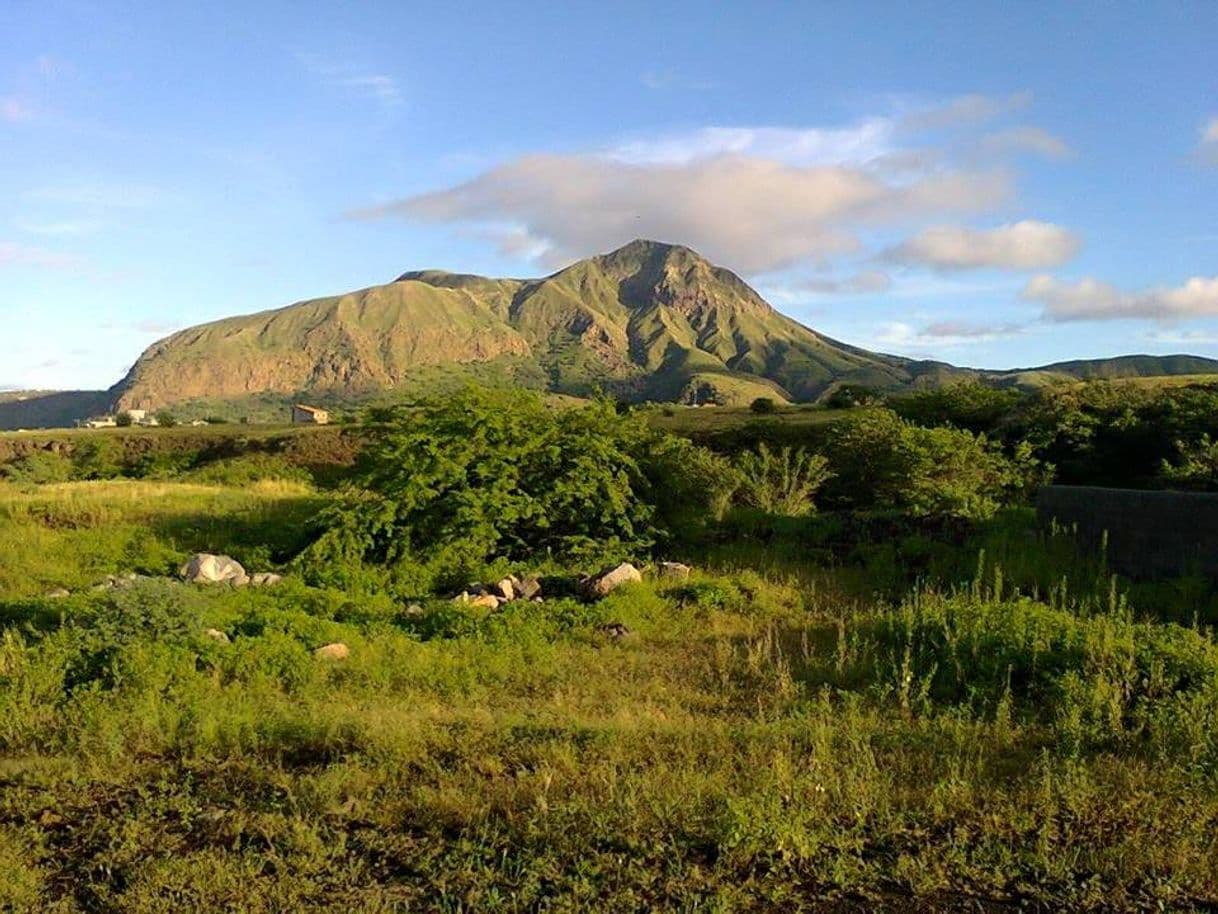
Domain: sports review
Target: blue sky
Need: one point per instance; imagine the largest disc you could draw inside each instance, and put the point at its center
(990, 184)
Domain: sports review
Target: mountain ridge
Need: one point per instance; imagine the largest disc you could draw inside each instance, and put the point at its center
(647, 321)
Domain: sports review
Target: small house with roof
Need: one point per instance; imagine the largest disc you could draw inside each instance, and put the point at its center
(309, 415)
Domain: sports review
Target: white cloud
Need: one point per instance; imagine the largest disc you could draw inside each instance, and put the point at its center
(1026, 245)
(750, 213)
(942, 335)
(354, 79)
(966, 109)
(856, 144)
(1184, 337)
(1091, 299)
(866, 282)
(1024, 139)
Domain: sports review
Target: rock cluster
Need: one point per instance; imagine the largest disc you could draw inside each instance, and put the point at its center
(505, 590)
(205, 568)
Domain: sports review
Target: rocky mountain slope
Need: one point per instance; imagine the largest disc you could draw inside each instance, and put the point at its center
(647, 321)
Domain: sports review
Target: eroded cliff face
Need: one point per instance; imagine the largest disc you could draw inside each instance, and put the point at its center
(651, 318)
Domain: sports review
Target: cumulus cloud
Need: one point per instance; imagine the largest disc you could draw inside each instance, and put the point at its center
(1026, 245)
(1035, 140)
(1091, 299)
(751, 213)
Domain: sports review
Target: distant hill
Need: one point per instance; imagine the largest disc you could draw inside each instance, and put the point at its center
(648, 321)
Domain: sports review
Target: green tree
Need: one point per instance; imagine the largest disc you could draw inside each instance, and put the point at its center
(763, 406)
(124, 420)
(166, 419)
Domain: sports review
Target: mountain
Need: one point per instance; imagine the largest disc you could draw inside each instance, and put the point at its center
(647, 321)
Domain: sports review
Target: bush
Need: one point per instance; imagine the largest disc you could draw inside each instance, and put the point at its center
(881, 461)
(166, 419)
(763, 406)
(451, 485)
(1196, 466)
(124, 420)
(968, 404)
(781, 482)
(97, 458)
(38, 468)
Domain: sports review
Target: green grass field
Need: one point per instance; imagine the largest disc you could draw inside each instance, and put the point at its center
(772, 735)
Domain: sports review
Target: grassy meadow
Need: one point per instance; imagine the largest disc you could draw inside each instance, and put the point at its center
(835, 712)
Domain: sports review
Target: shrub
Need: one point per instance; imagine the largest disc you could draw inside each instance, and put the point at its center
(450, 485)
(781, 482)
(97, 458)
(968, 404)
(763, 406)
(166, 419)
(1196, 466)
(124, 420)
(881, 461)
(38, 468)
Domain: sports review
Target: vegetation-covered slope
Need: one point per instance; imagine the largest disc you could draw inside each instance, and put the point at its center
(647, 320)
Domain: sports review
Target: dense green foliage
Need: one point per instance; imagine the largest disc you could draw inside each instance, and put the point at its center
(450, 485)
(882, 461)
(1124, 434)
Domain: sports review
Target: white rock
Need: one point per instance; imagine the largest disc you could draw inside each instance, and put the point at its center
(205, 568)
(335, 651)
(216, 635)
(600, 585)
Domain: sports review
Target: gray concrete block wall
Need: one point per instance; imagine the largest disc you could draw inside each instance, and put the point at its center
(1150, 533)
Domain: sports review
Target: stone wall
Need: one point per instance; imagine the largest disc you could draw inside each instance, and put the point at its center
(1150, 533)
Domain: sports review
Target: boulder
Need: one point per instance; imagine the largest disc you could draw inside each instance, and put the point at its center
(205, 568)
(673, 571)
(527, 589)
(59, 593)
(335, 651)
(600, 585)
(265, 579)
(504, 589)
(216, 635)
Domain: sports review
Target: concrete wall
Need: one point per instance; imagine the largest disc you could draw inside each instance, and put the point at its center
(1150, 533)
